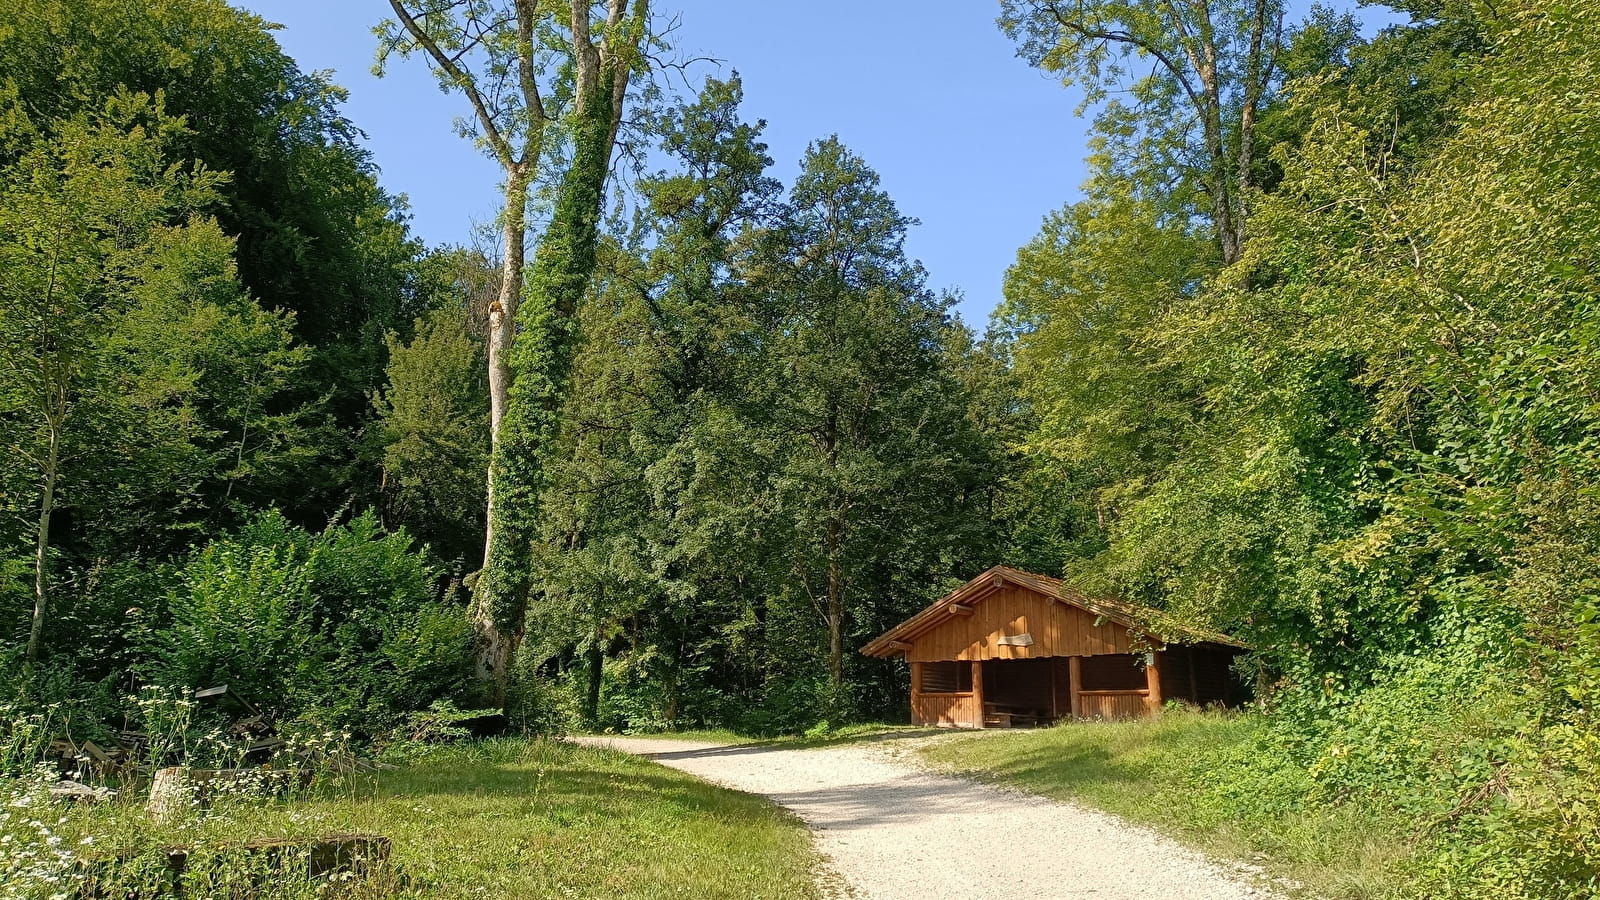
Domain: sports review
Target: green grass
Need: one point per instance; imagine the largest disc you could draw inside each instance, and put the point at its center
(535, 819)
(1182, 775)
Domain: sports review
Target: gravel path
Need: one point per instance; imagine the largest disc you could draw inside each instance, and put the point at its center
(895, 831)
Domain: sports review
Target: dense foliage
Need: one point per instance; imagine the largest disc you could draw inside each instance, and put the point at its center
(767, 457)
(200, 281)
(1368, 446)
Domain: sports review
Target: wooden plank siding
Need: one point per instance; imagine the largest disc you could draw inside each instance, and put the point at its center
(959, 710)
(1055, 628)
(1112, 705)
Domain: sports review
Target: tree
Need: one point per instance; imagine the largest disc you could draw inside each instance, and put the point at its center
(685, 550)
(623, 537)
(513, 117)
(875, 460)
(517, 44)
(315, 237)
(1214, 64)
(603, 64)
(435, 415)
(1084, 305)
(47, 307)
(139, 382)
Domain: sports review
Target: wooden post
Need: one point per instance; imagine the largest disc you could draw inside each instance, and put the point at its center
(1054, 713)
(1194, 684)
(916, 694)
(1227, 681)
(1152, 680)
(977, 692)
(1074, 685)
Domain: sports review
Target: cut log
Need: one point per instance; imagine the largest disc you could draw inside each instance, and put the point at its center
(78, 792)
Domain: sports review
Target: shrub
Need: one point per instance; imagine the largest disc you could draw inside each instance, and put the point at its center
(346, 621)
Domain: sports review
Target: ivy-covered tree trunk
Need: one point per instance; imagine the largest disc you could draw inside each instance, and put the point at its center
(541, 359)
(541, 362)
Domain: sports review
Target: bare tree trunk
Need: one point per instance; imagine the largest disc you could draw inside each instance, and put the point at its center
(1229, 224)
(41, 585)
(1261, 64)
(503, 312)
(1220, 187)
(591, 700)
(494, 654)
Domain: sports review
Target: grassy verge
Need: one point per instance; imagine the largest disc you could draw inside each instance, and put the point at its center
(1177, 774)
(514, 818)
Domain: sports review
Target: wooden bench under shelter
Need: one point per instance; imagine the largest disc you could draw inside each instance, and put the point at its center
(1011, 648)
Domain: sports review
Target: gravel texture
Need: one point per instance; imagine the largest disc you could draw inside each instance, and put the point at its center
(895, 831)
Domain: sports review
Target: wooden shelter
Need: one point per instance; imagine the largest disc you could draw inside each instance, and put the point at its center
(1013, 648)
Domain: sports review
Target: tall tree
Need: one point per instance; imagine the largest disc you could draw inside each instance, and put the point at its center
(495, 54)
(877, 455)
(605, 56)
(315, 236)
(623, 536)
(1214, 68)
(589, 65)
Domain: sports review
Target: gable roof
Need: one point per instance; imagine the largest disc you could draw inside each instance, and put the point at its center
(1137, 618)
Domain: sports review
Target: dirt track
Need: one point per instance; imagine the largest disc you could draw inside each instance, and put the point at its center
(894, 831)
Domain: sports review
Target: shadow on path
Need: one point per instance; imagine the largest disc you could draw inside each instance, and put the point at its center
(726, 750)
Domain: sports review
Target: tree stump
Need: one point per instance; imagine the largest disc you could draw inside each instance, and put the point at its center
(173, 795)
(177, 791)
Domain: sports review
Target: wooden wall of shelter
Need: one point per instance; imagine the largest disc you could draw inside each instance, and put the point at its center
(1011, 646)
(1053, 627)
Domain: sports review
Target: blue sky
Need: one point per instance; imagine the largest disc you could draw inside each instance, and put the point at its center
(966, 137)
